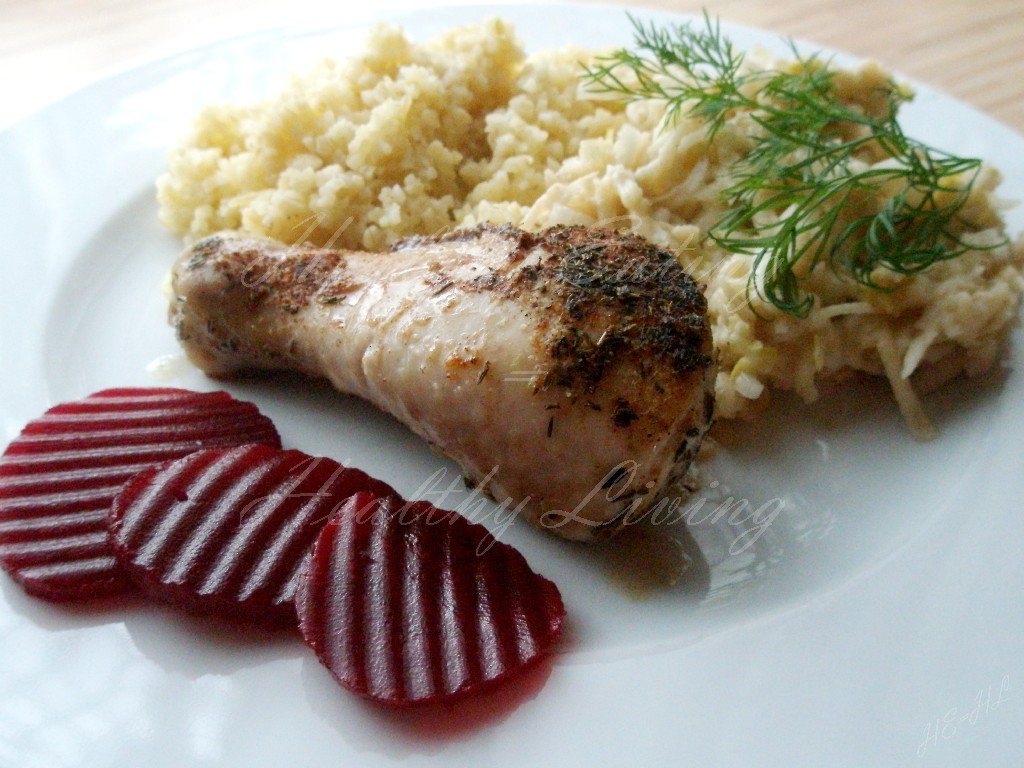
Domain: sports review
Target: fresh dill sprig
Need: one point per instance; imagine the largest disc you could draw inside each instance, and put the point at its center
(804, 192)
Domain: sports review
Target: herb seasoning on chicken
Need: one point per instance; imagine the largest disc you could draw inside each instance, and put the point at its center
(569, 373)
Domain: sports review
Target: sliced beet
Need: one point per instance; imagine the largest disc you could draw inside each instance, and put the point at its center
(59, 476)
(224, 531)
(407, 604)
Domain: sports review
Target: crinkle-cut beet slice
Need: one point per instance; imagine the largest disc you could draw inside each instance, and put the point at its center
(224, 532)
(59, 476)
(407, 604)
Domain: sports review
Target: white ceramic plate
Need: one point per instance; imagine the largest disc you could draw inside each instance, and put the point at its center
(874, 621)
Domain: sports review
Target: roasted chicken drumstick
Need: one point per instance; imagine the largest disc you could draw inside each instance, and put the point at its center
(569, 373)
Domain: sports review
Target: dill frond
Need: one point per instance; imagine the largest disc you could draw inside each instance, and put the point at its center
(803, 174)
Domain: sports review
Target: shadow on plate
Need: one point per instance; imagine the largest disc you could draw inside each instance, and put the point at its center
(426, 730)
(194, 646)
(71, 615)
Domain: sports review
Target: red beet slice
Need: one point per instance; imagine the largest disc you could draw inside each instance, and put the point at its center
(59, 476)
(407, 604)
(224, 532)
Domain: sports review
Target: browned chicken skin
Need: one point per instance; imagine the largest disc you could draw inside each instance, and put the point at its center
(569, 373)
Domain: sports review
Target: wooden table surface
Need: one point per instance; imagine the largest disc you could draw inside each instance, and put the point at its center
(970, 49)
